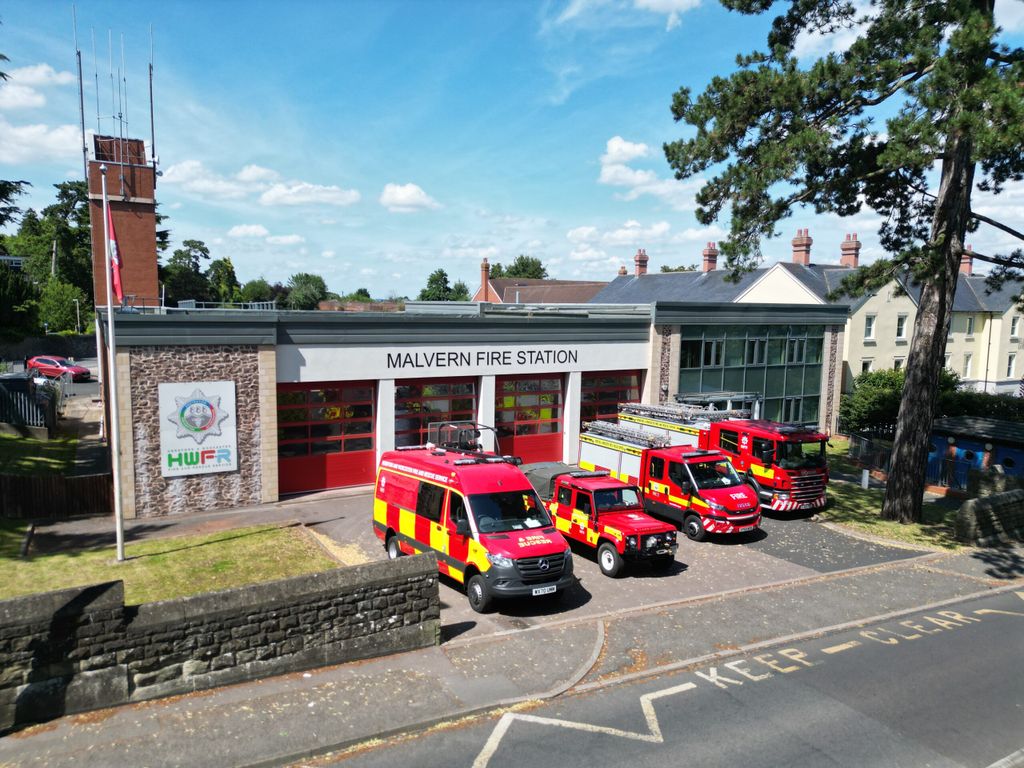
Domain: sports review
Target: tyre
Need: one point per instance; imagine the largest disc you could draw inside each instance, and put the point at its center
(609, 560)
(394, 551)
(480, 599)
(662, 564)
(694, 529)
(754, 484)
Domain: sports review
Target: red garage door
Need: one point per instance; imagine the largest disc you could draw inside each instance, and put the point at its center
(602, 392)
(325, 435)
(528, 411)
(420, 403)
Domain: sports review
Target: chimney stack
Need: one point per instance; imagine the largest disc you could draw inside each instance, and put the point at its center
(622, 271)
(641, 262)
(802, 247)
(967, 261)
(485, 277)
(710, 258)
(850, 248)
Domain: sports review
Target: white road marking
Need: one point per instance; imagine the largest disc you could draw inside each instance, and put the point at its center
(1010, 761)
(653, 735)
(841, 647)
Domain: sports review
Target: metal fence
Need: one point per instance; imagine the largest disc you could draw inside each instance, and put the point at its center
(23, 409)
(876, 453)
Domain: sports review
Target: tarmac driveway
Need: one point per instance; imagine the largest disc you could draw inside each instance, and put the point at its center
(786, 549)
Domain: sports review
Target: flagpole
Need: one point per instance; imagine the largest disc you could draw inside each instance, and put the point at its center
(113, 431)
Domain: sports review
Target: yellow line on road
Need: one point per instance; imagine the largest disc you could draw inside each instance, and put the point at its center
(841, 648)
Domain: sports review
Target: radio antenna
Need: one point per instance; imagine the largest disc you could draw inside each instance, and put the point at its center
(152, 124)
(81, 95)
(96, 76)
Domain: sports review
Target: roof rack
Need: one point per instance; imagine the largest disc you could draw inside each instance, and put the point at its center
(625, 434)
(683, 412)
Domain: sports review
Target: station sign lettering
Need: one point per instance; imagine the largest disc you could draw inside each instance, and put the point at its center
(505, 358)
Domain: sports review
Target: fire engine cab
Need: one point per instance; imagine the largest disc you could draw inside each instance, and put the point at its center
(480, 516)
(605, 514)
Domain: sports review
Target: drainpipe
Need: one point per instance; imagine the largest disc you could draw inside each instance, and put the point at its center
(988, 351)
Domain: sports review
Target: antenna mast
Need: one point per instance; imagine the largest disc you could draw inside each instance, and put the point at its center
(81, 96)
(96, 76)
(152, 124)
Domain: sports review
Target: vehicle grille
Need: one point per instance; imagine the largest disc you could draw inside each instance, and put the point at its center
(530, 570)
(657, 540)
(807, 487)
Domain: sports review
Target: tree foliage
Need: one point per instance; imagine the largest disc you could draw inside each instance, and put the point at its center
(223, 283)
(306, 291)
(924, 85)
(184, 276)
(256, 290)
(9, 190)
(19, 304)
(680, 268)
(524, 266)
(438, 289)
(57, 309)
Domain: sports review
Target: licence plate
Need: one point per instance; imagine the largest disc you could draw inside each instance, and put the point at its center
(746, 528)
(544, 590)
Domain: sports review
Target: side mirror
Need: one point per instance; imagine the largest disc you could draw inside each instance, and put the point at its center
(462, 527)
(768, 457)
(686, 487)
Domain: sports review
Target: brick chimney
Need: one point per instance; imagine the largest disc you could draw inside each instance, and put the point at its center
(641, 262)
(485, 277)
(622, 271)
(850, 248)
(710, 255)
(967, 261)
(802, 247)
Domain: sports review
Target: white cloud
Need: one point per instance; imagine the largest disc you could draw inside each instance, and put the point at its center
(632, 233)
(14, 96)
(406, 198)
(304, 193)
(256, 173)
(587, 253)
(40, 74)
(248, 230)
(286, 239)
(197, 179)
(582, 234)
(618, 175)
(618, 150)
(24, 144)
(671, 8)
(327, 254)
(1010, 16)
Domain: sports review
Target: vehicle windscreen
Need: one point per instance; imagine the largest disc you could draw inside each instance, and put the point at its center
(508, 511)
(714, 474)
(616, 498)
(801, 455)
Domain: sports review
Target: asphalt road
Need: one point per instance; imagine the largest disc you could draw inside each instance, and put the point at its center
(942, 687)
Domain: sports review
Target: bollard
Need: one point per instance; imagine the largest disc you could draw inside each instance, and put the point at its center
(864, 477)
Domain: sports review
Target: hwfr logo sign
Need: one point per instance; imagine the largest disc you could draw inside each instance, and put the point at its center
(198, 428)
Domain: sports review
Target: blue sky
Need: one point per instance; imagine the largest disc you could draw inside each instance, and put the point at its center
(373, 142)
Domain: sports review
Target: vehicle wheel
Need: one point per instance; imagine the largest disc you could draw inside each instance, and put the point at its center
(476, 590)
(694, 530)
(662, 564)
(609, 560)
(394, 551)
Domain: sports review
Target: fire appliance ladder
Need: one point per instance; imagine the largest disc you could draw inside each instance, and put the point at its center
(682, 413)
(625, 434)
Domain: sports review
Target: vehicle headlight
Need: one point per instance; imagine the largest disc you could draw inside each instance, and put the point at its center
(499, 561)
(716, 506)
(631, 542)
(782, 495)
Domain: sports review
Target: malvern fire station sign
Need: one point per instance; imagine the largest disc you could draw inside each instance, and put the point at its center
(198, 428)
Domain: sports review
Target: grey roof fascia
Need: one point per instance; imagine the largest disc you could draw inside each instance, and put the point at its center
(200, 328)
(678, 313)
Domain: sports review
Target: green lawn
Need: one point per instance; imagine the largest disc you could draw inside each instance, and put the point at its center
(162, 569)
(861, 509)
(28, 456)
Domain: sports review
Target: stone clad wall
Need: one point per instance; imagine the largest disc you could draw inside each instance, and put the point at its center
(156, 495)
(82, 648)
(994, 519)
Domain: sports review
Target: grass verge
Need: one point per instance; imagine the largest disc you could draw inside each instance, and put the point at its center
(861, 509)
(161, 569)
(28, 456)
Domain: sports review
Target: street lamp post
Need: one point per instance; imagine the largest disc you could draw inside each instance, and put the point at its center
(78, 318)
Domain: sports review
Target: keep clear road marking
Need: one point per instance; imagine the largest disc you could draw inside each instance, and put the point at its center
(940, 621)
(652, 736)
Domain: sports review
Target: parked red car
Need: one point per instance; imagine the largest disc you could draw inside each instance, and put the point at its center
(58, 366)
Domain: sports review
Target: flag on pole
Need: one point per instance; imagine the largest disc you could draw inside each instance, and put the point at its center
(115, 257)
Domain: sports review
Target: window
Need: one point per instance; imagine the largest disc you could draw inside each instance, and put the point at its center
(1014, 326)
(528, 406)
(657, 470)
(583, 502)
(970, 325)
(729, 440)
(457, 509)
(869, 327)
(421, 403)
(429, 501)
(967, 364)
(564, 495)
(677, 474)
(945, 362)
(901, 327)
(601, 394)
(1011, 365)
(897, 363)
(795, 350)
(763, 449)
(689, 353)
(316, 419)
(792, 408)
(713, 353)
(756, 351)
(866, 364)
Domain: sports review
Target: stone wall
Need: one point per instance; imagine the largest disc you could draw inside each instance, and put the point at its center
(995, 519)
(79, 649)
(156, 495)
(985, 482)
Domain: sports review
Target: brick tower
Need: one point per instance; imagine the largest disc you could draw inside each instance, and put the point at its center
(131, 189)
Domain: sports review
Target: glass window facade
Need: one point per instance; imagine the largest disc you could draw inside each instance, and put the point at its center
(782, 362)
(325, 418)
(601, 394)
(420, 403)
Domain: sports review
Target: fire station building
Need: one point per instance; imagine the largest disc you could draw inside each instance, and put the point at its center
(225, 408)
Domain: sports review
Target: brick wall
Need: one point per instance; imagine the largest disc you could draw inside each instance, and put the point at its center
(79, 649)
(156, 495)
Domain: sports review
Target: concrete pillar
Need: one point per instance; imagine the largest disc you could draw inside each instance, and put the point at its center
(485, 411)
(385, 416)
(126, 431)
(571, 410)
(266, 363)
